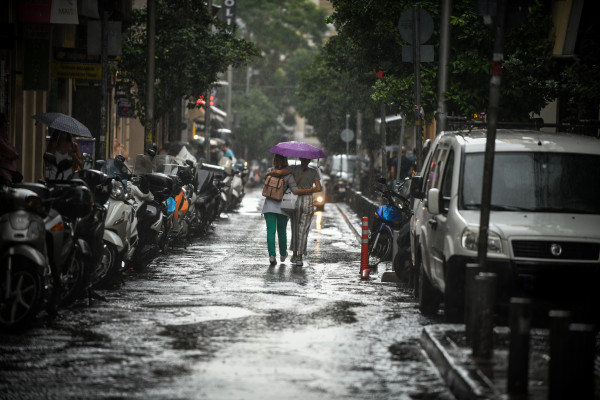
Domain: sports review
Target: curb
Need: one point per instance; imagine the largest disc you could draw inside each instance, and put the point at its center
(461, 374)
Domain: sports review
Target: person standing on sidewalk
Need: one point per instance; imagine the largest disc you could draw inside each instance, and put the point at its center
(275, 218)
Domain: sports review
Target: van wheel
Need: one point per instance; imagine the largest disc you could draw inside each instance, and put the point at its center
(429, 298)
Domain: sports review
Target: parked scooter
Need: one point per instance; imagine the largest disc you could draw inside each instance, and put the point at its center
(208, 186)
(25, 275)
(238, 183)
(120, 225)
(150, 192)
(389, 217)
(82, 268)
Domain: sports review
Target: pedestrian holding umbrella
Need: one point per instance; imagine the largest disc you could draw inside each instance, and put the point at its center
(61, 143)
(297, 149)
(62, 122)
(308, 181)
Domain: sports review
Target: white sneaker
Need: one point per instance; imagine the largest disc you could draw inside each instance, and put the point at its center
(282, 258)
(273, 260)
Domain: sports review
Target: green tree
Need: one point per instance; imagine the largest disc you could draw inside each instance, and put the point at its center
(370, 40)
(188, 57)
(289, 34)
(256, 130)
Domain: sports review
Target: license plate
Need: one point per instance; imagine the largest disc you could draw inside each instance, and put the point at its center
(342, 190)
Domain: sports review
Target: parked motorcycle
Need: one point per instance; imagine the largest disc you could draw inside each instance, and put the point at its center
(391, 216)
(25, 275)
(208, 186)
(40, 260)
(120, 224)
(150, 192)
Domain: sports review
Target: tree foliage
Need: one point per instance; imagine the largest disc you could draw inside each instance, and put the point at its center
(369, 40)
(188, 54)
(289, 33)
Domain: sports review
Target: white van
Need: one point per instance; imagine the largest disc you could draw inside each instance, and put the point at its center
(544, 230)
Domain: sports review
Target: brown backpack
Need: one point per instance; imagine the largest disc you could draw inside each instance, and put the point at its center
(273, 188)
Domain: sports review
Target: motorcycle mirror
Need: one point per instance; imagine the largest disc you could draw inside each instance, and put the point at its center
(415, 185)
(50, 158)
(151, 152)
(64, 165)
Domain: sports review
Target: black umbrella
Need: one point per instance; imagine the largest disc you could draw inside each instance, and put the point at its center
(64, 123)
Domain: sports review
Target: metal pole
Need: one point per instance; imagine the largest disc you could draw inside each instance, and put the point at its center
(101, 151)
(358, 149)
(229, 96)
(488, 167)
(347, 141)
(399, 159)
(443, 65)
(150, 36)
(417, 64)
(518, 355)
(558, 370)
(383, 133)
(483, 330)
(207, 102)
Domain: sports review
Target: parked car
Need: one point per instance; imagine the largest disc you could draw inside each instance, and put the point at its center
(544, 235)
(343, 170)
(321, 198)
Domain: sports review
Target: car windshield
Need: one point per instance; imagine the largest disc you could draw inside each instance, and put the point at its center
(538, 182)
(343, 164)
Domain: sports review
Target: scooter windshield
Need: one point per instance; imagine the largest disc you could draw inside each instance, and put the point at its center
(143, 165)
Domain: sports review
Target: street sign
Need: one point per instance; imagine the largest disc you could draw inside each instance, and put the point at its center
(405, 26)
(425, 55)
(347, 135)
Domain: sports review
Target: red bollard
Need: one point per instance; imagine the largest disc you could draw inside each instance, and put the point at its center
(364, 249)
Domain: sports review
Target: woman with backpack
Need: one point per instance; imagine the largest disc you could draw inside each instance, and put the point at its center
(275, 218)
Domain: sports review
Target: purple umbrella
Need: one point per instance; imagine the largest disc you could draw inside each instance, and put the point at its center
(297, 149)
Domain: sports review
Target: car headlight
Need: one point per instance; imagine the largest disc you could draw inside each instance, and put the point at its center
(319, 199)
(470, 237)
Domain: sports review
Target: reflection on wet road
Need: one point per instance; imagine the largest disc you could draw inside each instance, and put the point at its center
(215, 321)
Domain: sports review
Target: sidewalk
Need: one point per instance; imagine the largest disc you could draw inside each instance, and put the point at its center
(446, 346)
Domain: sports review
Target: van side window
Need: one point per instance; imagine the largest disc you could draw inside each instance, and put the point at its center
(447, 181)
(437, 164)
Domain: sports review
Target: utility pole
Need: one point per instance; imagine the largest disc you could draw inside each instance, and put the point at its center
(101, 153)
(151, 30)
(490, 144)
(358, 148)
(207, 100)
(383, 134)
(442, 110)
(417, 65)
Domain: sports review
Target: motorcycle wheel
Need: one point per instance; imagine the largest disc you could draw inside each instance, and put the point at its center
(21, 298)
(74, 280)
(111, 259)
(403, 265)
(380, 247)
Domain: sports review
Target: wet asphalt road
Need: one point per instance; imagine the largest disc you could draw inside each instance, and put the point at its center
(215, 321)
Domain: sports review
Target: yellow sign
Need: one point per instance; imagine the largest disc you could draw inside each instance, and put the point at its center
(75, 64)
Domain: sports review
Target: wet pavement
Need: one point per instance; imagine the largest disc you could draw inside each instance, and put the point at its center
(215, 321)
